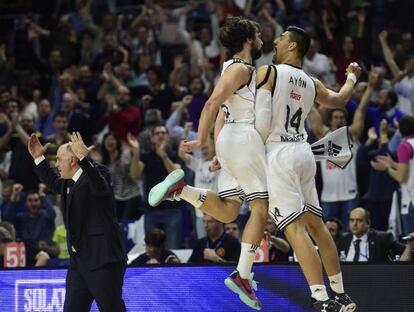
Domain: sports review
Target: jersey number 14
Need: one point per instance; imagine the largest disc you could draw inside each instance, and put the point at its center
(293, 122)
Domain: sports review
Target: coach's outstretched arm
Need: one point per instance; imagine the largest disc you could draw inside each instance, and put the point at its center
(333, 99)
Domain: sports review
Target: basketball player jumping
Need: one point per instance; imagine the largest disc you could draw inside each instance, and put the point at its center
(284, 98)
(240, 151)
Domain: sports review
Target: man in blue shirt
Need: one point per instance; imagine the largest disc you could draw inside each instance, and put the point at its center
(37, 223)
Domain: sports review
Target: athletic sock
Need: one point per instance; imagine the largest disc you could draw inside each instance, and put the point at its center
(336, 283)
(247, 255)
(195, 196)
(319, 292)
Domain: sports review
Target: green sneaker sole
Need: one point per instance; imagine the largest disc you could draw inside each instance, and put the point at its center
(234, 288)
(158, 192)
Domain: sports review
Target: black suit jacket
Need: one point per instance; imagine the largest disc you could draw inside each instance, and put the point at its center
(90, 216)
(382, 246)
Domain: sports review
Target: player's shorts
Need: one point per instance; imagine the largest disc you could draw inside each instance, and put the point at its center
(241, 153)
(291, 172)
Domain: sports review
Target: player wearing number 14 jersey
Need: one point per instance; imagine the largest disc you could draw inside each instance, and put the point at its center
(284, 98)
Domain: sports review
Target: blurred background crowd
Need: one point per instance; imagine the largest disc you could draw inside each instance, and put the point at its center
(132, 77)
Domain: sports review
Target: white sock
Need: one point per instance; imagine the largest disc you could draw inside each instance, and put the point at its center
(247, 255)
(195, 196)
(319, 292)
(336, 283)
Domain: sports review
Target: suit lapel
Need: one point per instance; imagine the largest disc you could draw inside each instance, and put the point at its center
(70, 195)
(371, 246)
(348, 241)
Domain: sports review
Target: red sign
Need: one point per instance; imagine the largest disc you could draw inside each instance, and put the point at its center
(14, 255)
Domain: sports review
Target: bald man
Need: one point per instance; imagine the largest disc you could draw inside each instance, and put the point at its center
(97, 254)
(364, 244)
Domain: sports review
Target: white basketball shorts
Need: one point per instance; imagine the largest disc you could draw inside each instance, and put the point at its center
(241, 153)
(291, 172)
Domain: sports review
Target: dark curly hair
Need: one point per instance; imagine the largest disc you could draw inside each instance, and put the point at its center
(236, 31)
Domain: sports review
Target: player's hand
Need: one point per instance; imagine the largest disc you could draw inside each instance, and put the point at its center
(354, 68)
(191, 146)
(214, 165)
(36, 149)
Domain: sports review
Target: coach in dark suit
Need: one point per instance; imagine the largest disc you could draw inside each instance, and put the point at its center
(97, 254)
(364, 244)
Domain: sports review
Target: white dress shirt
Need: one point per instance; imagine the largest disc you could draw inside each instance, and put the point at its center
(363, 249)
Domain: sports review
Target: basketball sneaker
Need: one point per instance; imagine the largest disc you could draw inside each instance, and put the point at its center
(327, 306)
(345, 300)
(245, 288)
(169, 189)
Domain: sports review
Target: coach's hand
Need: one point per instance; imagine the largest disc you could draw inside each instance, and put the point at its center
(78, 147)
(36, 149)
(191, 146)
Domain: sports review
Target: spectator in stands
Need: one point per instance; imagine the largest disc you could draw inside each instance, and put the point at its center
(37, 223)
(34, 256)
(154, 166)
(120, 162)
(335, 227)
(364, 244)
(7, 195)
(318, 65)
(58, 250)
(351, 49)
(61, 136)
(203, 176)
(402, 171)
(279, 248)
(234, 229)
(174, 123)
(199, 98)
(16, 137)
(161, 93)
(44, 122)
(120, 115)
(218, 246)
(151, 120)
(155, 253)
(381, 186)
(77, 119)
(340, 189)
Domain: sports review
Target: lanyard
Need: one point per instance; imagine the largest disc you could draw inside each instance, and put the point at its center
(218, 243)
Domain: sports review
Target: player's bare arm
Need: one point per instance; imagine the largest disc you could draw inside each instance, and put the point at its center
(231, 80)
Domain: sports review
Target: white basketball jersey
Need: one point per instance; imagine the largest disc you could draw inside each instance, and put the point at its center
(293, 97)
(239, 108)
(339, 184)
